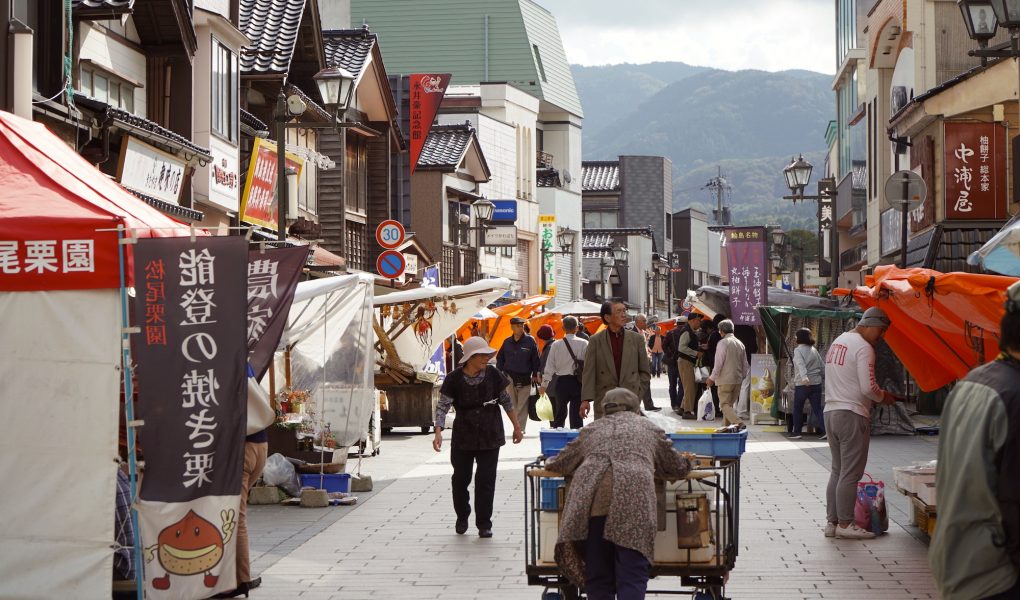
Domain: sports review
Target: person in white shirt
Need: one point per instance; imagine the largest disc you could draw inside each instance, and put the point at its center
(807, 377)
(566, 360)
(850, 391)
(729, 372)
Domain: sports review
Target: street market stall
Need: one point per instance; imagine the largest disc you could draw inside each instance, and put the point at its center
(60, 360)
(497, 329)
(411, 327)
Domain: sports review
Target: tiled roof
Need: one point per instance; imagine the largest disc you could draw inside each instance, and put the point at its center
(273, 26)
(140, 124)
(169, 208)
(252, 122)
(445, 146)
(86, 8)
(313, 110)
(600, 175)
(349, 48)
(547, 178)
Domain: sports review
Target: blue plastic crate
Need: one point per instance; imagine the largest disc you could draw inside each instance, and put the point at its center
(719, 445)
(550, 493)
(331, 482)
(553, 440)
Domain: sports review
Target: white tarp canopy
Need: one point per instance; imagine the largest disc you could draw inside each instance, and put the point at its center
(329, 332)
(417, 350)
(578, 307)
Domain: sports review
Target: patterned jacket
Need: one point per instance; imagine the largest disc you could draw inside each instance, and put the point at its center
(637, 451)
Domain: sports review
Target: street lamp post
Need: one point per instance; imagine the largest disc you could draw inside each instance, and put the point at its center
(798, 174)
(565, 238)
(482, 209)
(336, 86)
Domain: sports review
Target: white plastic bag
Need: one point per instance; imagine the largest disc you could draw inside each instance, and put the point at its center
(667, 424)
(706, 406)
(280, 472)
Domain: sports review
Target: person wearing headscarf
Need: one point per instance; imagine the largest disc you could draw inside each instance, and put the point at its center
(607, 529)
(476, 390)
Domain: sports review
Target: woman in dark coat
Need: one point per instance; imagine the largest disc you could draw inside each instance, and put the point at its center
(477, 390)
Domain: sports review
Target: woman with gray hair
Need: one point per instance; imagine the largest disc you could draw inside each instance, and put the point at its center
(729, 372)
(607, 530)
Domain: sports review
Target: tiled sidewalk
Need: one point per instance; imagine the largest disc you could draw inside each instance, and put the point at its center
(399, 543)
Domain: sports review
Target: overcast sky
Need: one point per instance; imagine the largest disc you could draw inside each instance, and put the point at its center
(771, 35)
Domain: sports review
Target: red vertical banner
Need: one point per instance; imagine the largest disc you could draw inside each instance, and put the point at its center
(427, 91)
(975, 159)
(748, 273)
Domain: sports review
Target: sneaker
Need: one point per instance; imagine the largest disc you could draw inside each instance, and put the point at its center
(689, 415)
(653, 409)
(830, 530)
(853, 532)
(825, 436)
(794, 436)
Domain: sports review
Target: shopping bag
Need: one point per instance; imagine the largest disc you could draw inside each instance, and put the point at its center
(706, 406)
(544, 408)
(701, 374)
(870, 511)
(532, 402)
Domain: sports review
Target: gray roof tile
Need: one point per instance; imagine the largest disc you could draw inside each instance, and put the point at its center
(349, 48)
(273, 26)
(89, 8)
(445, 146)
(105, 111)
(600, 175)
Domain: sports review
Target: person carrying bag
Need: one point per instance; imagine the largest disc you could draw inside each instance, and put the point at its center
(564, 369)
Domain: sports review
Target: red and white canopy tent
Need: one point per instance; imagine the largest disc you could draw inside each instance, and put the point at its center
(60, 360)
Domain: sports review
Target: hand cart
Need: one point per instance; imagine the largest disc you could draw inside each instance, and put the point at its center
(702, 563)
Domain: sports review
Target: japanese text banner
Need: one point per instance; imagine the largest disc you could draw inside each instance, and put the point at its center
(272, 278)
(748, 275)
(427, 91)
(192, 399)
(975, 163)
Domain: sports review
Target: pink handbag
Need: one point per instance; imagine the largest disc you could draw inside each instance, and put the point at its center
(870, 512)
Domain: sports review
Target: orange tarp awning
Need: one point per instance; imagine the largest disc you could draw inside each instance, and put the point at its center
(496, 330)
(943, 324)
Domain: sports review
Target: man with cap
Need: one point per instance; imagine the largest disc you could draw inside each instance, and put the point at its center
(615, 357)
(728, 372)
(975, 551)
(850, 391)
(477, 390)
(520, 361)
(688, 348)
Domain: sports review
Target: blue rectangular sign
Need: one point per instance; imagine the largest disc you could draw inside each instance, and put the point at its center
(506, 210)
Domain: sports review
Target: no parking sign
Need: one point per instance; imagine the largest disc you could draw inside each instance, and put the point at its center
(390, 264)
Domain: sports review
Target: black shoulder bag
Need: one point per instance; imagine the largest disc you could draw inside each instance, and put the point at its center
(578, 364)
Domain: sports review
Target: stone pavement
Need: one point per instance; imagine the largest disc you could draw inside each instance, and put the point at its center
(398, 541)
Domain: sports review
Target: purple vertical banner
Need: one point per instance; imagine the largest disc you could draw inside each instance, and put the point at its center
(192, 401)
(272, 279)
(748, 273)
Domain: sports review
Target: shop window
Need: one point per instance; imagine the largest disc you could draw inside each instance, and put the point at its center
(506, 251)
(106, 87)
(224, 87)
(356, 239)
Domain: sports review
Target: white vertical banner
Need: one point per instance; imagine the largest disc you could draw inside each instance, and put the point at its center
(547, 233)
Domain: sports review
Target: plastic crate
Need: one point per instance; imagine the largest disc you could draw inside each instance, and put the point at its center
(331, 482)
(550, 493)
(553, 440)
(720, 445)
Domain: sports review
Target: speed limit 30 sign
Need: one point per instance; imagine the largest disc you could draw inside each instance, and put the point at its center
(389, 234)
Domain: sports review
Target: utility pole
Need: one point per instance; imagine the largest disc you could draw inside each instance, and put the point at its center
(719, 186)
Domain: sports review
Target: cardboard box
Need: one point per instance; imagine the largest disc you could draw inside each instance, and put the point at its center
(926, 493)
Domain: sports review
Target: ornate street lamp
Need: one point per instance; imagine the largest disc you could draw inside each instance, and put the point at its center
(778, 235)
(1007, 13)
(565, 239)
(336, 86)
(980, 19)
(798, 174)
(483, 210)
(620, 253)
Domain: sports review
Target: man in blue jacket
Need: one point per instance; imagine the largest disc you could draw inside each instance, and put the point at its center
(519, 360)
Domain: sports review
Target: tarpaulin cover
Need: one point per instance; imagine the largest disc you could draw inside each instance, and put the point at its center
(943, 325)
(52, 205)
(499, 328)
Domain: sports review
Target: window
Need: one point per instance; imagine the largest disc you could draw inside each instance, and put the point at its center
(356, 237)
(600, 219)
(224, 87)
(538, 61)
(669, 225)
(356, 175)
(455, 233)
(507, 251)
(105, 87)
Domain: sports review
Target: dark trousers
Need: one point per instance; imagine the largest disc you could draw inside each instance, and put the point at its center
(812, 393)
(611, 571)
(676, 388)
(568, 402)
(485, 484)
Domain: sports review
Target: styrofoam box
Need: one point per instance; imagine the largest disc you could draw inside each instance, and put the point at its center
(548, 530)
(926, 493)
(912, 478)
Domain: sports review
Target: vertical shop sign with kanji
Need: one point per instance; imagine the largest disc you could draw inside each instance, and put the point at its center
(975, 159)
(748, 275)
(192, 402)
(427, 91)
(272, 279)
(546, 234)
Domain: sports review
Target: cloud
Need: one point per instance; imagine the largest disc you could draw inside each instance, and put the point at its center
(770, 35)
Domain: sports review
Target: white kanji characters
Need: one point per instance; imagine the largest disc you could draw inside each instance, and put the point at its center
(199, 388)
(262, 277)
(197, 468)
(963, 175)
(40, 256)
(963, 202)
(9, 262)
(198, 305)
(197, 267)
(204, 343)
(963, 152)
(79, 256)
(258, 320)
(201, 426)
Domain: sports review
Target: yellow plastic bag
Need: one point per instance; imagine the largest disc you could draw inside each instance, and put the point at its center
(544, 408)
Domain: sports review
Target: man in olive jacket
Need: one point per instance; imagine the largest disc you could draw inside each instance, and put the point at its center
(615, 358)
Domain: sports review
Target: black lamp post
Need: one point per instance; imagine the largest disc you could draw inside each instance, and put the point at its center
(336, 85)
(798, 175)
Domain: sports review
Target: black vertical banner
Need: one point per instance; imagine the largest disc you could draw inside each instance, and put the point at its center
(191, 355)
(273, 276)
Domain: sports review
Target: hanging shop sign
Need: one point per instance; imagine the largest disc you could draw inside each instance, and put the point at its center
(224, 174)
(427, 91)
(975, 171)
(748, 279)
(500, 236)
(192, 400)
(504, 211)
(150, 171)
(922, 162)
(273, 276)
(259, 205)
(546, 235)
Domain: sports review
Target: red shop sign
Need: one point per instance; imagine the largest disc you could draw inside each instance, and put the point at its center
(975, 173)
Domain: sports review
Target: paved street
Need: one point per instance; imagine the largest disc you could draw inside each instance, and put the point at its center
(398, 541)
